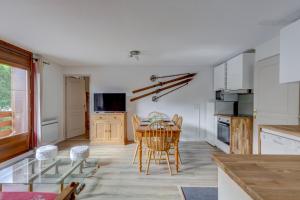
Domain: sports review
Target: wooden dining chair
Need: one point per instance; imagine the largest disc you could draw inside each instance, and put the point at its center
(135, 120)
(175, 118)
(158, 137)
(178, 123)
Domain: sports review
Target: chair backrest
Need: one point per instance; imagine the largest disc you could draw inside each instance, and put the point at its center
(157, 114)
(158, 136)
(175, 118)
(135, 120)
(179, 122)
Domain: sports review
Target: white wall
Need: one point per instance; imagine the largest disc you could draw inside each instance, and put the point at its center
(268, 49)
(190, 101)
(52, 96)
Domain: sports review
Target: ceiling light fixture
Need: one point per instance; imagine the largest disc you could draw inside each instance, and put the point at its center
(134, 54)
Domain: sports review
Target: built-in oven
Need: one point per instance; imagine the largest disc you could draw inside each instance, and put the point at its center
(224, 130)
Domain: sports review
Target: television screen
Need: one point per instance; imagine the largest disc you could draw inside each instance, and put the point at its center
(110, 102)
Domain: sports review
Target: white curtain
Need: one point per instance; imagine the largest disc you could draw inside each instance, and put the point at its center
(38, 64)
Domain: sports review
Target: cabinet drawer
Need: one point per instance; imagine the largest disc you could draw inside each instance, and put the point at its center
(116, 117)
(108, 117)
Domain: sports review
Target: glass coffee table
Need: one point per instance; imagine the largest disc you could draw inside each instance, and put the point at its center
(60, 171)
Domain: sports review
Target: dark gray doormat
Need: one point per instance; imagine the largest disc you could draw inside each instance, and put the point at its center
(200, 193)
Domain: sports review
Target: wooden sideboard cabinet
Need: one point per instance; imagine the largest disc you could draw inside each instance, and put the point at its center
(108, 128)
(241, 135)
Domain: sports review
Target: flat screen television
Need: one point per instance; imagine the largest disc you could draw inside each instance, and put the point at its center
(109, 102)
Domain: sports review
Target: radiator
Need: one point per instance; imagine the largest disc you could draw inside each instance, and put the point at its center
(49, 131)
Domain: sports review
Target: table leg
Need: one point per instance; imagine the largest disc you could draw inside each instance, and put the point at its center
(30, 187)
(176, 155)
(140, 155)
(80, 168)
(56, 169)
(32, 168)
(61, 187)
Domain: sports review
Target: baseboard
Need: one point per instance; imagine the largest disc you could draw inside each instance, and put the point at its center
(16, 159)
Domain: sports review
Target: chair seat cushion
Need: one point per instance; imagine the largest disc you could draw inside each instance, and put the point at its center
(46, 152)
(27, 195)
(79, 152)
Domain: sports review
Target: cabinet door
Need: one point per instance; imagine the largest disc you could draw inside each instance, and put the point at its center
(240, 72)
(289, 53)
(235, 73)
(234, 140)
(241, 136)
(102, 129)
(116, 131)
(219, 77)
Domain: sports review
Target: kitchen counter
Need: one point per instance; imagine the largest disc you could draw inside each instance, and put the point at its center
(261, 177)
(286, 129)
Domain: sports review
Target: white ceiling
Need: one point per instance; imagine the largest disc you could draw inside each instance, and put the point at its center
(168, 32)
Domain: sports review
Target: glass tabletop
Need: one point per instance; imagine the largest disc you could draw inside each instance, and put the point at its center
(56, 171)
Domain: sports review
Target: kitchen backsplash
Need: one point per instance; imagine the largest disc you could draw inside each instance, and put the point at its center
(245, 104)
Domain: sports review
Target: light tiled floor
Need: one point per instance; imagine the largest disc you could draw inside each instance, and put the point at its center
(117, 178)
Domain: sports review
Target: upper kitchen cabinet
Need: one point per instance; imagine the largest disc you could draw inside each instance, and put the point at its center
(289, 53)
(219, 77)
(240, 72)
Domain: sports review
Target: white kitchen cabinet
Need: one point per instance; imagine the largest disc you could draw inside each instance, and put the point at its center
(278, 144)
(289, 53)
(220, 77)
(240, 72)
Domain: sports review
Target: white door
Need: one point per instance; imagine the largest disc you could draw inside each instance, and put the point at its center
(274, 103)
(75, 106)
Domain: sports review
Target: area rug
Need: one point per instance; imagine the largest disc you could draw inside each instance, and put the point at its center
(200, 193)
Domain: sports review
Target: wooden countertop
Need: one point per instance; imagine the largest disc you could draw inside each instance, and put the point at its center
(287, 129)
(263, 177)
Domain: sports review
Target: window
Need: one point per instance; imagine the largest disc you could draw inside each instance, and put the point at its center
(16, 118)
(13, 101)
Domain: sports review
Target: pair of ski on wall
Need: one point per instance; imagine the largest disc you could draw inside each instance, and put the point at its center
(171, 85)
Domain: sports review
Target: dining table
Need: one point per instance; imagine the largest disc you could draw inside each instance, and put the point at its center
(141, 132)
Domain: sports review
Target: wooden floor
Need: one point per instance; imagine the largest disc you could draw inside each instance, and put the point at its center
(117, 178)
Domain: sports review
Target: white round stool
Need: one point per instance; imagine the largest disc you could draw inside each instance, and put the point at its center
(79, 153)
(46, 152)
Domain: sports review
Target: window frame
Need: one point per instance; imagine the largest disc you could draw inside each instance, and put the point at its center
(20, 58)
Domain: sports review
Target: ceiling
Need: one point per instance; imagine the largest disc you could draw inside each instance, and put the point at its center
(167, 32)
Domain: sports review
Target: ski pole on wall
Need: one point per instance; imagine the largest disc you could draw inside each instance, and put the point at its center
(160, 89)
(153, 78)
(181, 81)
(155, 98)
(188, 75)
